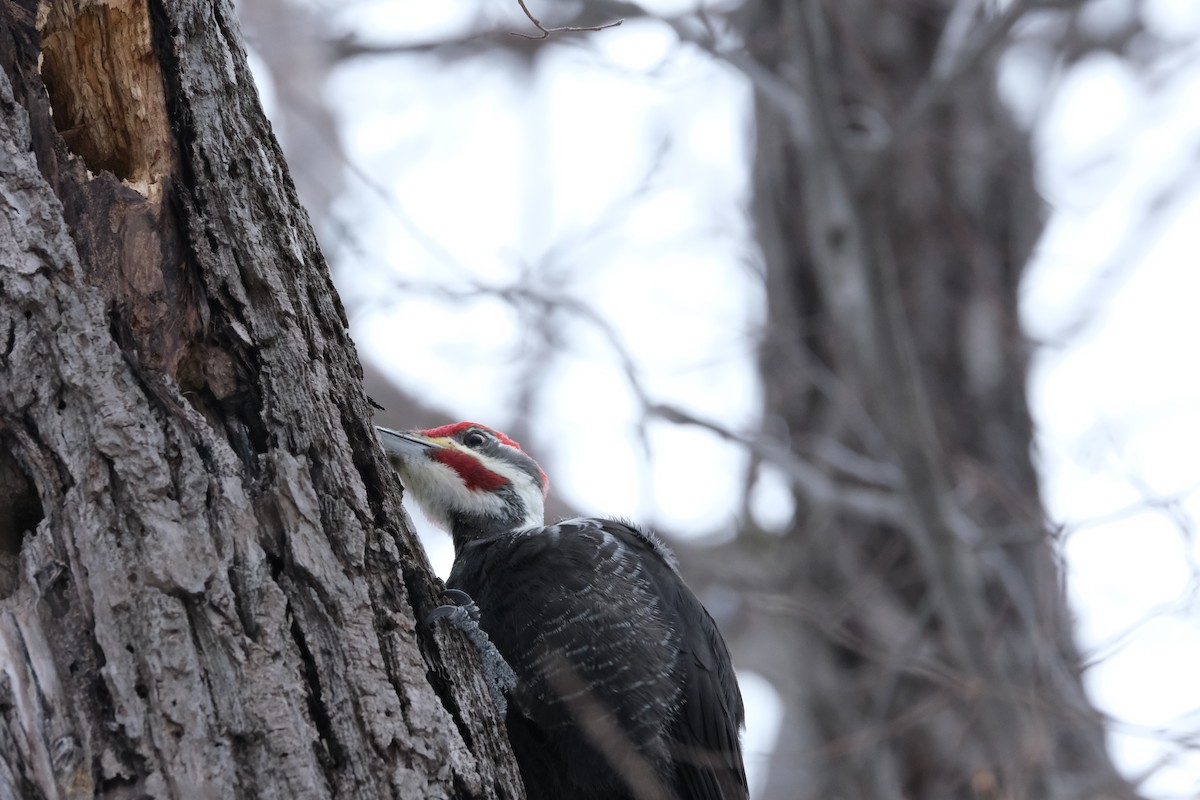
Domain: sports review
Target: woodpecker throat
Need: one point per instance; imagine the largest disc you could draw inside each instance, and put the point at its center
(624, 689)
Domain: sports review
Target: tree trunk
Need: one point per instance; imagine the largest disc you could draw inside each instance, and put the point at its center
(209, 585)
(931, 647)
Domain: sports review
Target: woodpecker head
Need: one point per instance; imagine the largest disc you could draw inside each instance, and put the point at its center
(469, 479)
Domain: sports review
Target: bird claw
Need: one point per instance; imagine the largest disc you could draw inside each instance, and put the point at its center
(462, 604)
(458, 596)
(464, 615)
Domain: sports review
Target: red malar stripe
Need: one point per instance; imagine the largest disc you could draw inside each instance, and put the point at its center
(474, 474)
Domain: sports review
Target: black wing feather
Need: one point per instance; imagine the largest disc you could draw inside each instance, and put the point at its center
(617, 663)
(705, 733)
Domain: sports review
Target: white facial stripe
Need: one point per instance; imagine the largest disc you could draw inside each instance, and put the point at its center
(527, 489)
(532, 499)
(440, 490)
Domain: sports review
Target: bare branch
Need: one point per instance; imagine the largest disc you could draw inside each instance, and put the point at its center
(545, 32)
(873, 505)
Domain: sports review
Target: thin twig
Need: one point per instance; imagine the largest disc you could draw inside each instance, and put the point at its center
(545, 32)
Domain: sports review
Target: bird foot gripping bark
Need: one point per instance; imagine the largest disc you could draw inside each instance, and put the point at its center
(463, 614)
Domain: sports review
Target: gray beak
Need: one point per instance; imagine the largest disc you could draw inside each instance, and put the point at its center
(404, 444)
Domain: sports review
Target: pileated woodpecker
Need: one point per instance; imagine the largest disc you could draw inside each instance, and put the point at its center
(624, 687)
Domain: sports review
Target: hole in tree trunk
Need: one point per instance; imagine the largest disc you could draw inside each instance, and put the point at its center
(20, 513)
(103, 78)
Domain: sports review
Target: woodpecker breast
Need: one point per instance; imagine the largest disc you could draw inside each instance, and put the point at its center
(625, 689)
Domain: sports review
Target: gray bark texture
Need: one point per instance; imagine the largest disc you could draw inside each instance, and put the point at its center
(208, 585)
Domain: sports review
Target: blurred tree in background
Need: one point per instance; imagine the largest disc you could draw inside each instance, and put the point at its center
(929, 648)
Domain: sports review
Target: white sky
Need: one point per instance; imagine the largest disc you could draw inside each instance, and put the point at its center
(1111, 297)
(624, 166)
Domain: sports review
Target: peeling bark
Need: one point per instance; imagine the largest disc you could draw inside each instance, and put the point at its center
(209, 585)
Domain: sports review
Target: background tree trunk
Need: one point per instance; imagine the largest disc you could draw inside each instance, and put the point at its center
(922, 643)
(209, 585)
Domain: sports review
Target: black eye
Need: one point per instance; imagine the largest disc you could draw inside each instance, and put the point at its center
(475, 439)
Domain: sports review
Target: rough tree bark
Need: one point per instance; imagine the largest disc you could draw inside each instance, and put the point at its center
(916, 598)
(209, 585)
